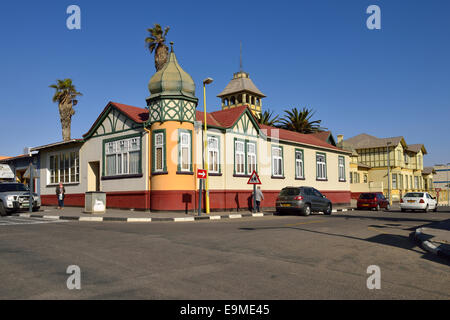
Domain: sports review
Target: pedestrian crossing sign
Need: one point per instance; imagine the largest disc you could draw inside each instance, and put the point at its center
(254, 179)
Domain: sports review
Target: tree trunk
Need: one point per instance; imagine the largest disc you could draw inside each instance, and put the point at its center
(65, 114)
(161, 56)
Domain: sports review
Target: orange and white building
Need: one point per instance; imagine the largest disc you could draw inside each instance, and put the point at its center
(147, 158)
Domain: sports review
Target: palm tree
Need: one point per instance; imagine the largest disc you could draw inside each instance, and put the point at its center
(300, 121)
(65, 95)
(156, 42)
(268, 118)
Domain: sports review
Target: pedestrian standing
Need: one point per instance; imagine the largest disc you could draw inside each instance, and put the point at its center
(60, 193)
(258, 197)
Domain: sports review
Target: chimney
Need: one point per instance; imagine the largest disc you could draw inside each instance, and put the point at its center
(340, 138)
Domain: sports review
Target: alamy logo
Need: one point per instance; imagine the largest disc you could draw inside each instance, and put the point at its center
(74, 20)
(374, 281)
(374, 21)
(74, 281)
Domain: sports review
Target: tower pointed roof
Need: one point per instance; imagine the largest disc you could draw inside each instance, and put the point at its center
(241, 82)
(171, 80)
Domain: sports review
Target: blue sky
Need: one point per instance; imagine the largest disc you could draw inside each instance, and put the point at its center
(320, 54)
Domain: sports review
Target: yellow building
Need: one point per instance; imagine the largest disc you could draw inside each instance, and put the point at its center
(371, 158)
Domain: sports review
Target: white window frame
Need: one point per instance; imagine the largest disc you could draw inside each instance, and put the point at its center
(54, 176)
(159, 146)
(213, 154)
(120, 150)
(299, 165)
(251, 158)
(185, 167)
(341, 168)
(321, 167)
(239, 158)
(277, 162)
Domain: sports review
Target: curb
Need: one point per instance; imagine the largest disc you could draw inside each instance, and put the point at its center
(421, 239)
(145, 220)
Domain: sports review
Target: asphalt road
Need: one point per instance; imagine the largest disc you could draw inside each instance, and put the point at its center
(280, 257)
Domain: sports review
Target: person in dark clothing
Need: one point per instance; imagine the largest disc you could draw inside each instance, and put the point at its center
(60, 193)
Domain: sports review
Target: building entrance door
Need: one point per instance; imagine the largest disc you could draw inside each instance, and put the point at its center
(94, 176)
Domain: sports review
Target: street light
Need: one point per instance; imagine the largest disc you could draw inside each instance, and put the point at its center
(389, 173)
(205, 141)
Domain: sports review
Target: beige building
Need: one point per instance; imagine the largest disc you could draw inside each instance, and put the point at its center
(371, 157)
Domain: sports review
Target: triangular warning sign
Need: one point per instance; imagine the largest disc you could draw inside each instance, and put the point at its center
(254, 179)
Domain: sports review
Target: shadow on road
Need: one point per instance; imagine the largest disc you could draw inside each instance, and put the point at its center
(387, 239)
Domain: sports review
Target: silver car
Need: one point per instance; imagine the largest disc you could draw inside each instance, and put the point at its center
(16, 196)
(303, 200)
(418, 201)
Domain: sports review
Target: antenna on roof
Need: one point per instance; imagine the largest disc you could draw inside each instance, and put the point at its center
(240, 60)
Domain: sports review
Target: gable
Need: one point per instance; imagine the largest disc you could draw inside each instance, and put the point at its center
(246, 125)
(111, 121)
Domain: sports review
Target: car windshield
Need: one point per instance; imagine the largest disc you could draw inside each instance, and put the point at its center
(367, 196)
(12, 187)
(290, 192)
(414, 195)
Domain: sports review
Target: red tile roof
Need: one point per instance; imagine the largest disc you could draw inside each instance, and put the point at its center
(322, 135)
(138, 115)
(284, 134)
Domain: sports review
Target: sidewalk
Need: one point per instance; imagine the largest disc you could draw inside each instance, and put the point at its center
(118, 215)
(435, 238)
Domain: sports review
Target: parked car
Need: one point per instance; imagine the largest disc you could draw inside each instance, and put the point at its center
(303, 200)
(16, 196)
(418, 201)
(372, 200)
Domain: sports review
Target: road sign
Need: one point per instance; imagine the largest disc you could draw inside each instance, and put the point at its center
(201, 173)
(254, 179)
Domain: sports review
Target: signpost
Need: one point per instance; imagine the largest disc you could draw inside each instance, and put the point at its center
(254, 180)
(201, 174)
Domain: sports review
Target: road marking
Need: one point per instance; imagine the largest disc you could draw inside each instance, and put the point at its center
(215, 217)
(301, 223)
(15, 221)
(258, 214)
(235, 216)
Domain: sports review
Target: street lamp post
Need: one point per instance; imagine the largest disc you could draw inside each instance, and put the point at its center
(205, 144)
(389, 173)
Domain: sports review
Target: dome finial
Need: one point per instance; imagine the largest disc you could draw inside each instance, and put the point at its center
(171, 46)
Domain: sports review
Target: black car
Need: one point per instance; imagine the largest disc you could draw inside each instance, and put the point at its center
(303, 200)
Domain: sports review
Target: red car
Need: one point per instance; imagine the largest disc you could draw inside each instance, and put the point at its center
(373, 200)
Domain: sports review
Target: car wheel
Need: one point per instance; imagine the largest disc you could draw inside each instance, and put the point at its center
(377, 208)
(306, 210)
(2, 210)
(426, 209)
(35, 209)
(435, 208)
(388, 207)
(403, 210)
(328, 210)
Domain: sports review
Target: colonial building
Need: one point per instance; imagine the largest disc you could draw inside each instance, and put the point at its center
(146, 158)
(371, 157)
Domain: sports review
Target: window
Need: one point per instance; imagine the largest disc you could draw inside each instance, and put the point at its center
(321, 166)
(185, 151)
(277, 161)
(341, 168)
(394, 181)
(299, 168)
(416, 182)
(213, 151)
(239, 154)
(410, 182)
(365, 178)
(351, 177)
(64, 167)
(401, 182)
(357, 177)
(251, 157)
(122, 156)
(159, 151)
